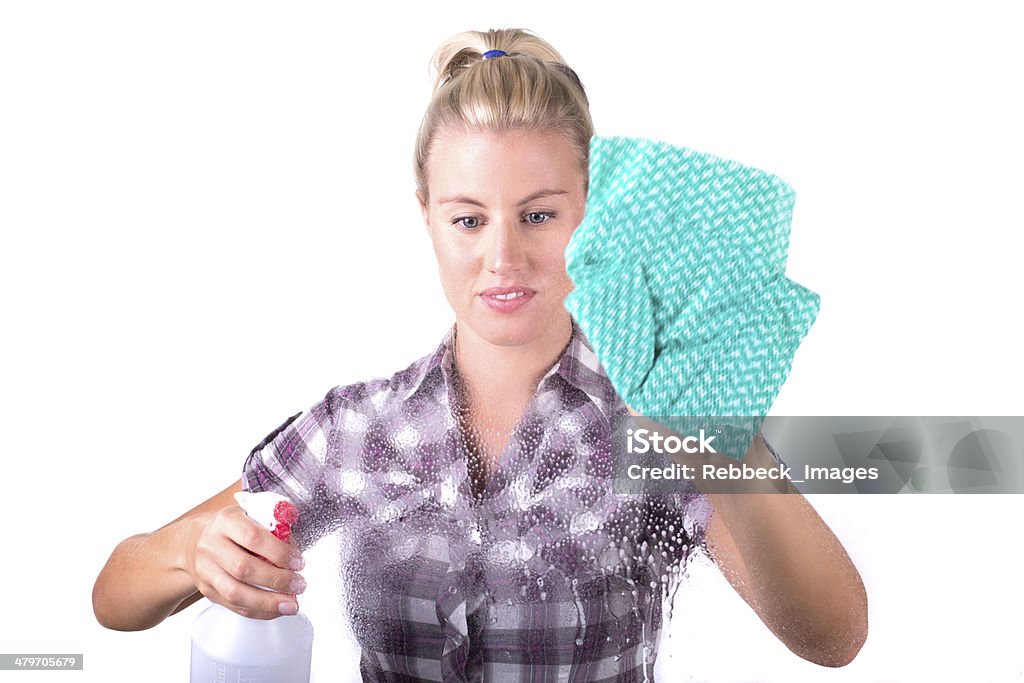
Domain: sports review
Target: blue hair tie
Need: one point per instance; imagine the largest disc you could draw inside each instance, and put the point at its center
(495, 53)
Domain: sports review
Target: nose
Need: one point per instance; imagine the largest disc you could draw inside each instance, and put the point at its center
(506, 248)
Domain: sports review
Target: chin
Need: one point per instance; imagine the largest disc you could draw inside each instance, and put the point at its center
(519, 330)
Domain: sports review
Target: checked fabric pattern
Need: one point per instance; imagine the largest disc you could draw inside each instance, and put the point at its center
(551, 574)
(679, 267)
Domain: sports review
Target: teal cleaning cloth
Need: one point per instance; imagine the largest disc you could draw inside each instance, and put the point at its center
(680, 286)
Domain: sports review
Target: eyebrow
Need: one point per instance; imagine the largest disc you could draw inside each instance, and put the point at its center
(463, 199)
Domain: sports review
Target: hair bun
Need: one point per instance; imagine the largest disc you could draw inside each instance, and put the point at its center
(465, 50)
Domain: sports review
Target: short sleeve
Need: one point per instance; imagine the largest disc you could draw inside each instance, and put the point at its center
(695, 509)
(291, 461)
(678, 521)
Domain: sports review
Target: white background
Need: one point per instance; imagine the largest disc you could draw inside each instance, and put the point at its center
(208, 221)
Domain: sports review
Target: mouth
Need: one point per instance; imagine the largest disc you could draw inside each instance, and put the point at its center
(507, 299)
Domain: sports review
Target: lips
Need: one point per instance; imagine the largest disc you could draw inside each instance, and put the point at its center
(507, 299)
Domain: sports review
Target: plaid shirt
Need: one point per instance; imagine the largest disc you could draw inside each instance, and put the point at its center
(549, 575)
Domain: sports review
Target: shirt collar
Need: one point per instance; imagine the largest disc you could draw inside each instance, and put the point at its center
(578, 366)
(441, 361)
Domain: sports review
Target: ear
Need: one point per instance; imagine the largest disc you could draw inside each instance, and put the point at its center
(421, 200)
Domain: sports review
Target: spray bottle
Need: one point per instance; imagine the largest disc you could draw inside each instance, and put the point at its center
(229, 647)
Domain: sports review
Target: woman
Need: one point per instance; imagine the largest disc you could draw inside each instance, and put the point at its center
(474, 488)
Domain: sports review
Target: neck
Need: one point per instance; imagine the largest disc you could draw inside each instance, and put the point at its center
(508, 373)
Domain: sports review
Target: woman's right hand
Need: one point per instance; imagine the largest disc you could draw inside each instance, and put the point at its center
(210, 550)
(229, 556)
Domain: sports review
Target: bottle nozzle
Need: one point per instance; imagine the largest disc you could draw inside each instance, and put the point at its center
(270, 510)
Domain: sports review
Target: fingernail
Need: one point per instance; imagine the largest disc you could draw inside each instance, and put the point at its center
(297, 585)
(288, 608)
(296, 562)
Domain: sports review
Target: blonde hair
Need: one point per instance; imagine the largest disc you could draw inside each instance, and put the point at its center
(532, 88)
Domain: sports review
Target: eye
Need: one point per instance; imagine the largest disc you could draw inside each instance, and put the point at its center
(467, 222)
(538, 217)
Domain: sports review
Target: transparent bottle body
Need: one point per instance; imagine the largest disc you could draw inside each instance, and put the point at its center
(229, 648)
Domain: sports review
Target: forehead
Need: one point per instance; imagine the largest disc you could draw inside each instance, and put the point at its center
(499, 164)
